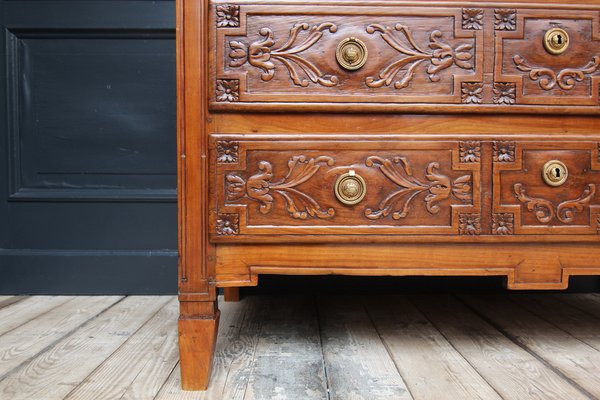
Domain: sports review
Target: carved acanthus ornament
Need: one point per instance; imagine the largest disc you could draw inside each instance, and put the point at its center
(565, 79)
(503, 224)
(469, 224)
(228, 224)
(260, 187)
(504, 151)
(441, 56)
(504, 93)
(469, 151)
(438, 188)
(260, 54)
(545, 211)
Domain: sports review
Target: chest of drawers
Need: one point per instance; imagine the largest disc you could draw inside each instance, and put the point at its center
(383, 138)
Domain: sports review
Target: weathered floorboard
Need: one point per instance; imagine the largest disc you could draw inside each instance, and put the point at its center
(513, 372)
(26, 341)
(288, 361)
(55, 372)
(357, 363)
(29, 308)
(8, 300)
(574, 359)
(430, 366)
(117, 373)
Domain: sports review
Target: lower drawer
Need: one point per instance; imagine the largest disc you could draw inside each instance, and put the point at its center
(369, 189)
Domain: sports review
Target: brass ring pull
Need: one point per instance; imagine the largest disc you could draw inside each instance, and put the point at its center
(556, 41)
(555, 173)
(351, 53)
(350, 188)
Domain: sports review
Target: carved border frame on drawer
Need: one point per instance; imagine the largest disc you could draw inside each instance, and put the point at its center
(250, 101)
(328, 145)
(516, 209)
(517, 79)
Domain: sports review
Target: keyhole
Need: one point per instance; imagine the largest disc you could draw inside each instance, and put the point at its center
(557, 172)
(559, 40)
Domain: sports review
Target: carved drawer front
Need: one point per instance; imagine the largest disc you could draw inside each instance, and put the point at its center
(282, 54)
(529, 71)
(529, 196)
(278, 186)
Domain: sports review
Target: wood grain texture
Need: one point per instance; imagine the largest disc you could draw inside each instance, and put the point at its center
(288, 361)
(154, 342)
(27, 340)
(8, 300)
(569, 355)
(357, 362)
(427, 361)
(449, 122)
(19, 313)
(54, 373)
(513, 372)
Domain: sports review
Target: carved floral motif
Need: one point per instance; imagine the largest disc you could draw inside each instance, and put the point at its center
(438, 188)
(469, 224)
(504, 93)
(440, 58)
(228, 16)
(545, 211)
(260, 54)
(503, 224)
(504, 151)
(472, 18)
(228, 224)
(472, 92)
(228, 90)
(470, 151)
(260, 187)
(505, 19)
(565, 79)
(227, 151)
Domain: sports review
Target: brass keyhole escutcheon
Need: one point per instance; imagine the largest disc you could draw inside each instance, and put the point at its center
(555, 173)
(350, 188)
(351, 53)
(556, 40)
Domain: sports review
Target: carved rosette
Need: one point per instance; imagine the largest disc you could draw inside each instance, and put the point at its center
(472, 18)
(228, 16)
(469, 224)
(261, 187)
(228, 90)
(545, 211)
(503, 224)
(261, 54)
(472, 92)
(441, 56)
(228, 224)
(505, 92)
(227, 151)
(504, 151)
(437, 186)
(505, 19)
(566, 79)
(469, 151)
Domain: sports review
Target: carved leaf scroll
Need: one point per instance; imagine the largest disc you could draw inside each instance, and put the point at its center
(260, 187)
(438, 188)
(565, 79)
(441, 56)
(260, 54)
(545, 211)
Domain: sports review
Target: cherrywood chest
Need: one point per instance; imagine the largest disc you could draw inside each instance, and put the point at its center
(366, 137)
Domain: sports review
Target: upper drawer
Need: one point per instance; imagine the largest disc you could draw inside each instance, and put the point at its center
(398, 58)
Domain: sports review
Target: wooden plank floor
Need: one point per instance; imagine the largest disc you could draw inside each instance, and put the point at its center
(431, 347)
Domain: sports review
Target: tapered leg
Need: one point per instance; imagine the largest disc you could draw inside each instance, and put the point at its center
(231, 294)
(197, 338)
